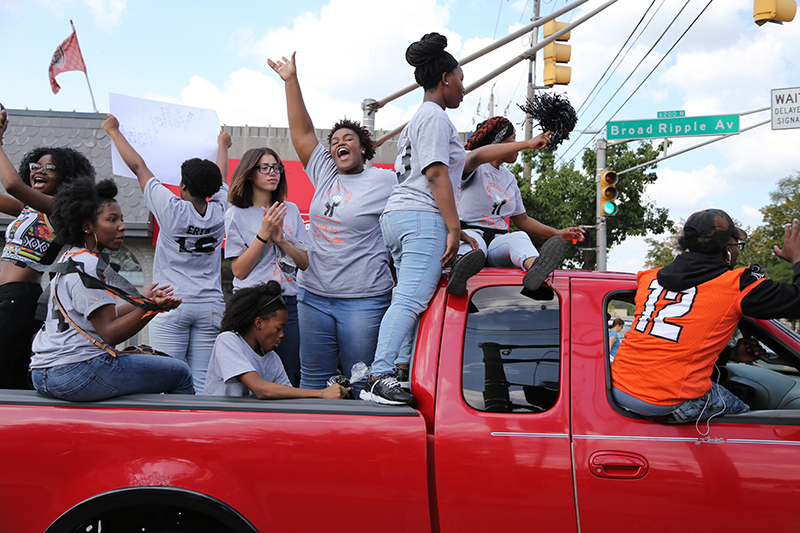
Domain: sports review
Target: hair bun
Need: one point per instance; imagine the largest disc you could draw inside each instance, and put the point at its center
(106, 189)
(430, 46)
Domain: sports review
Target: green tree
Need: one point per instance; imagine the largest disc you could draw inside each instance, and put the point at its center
(564, 196)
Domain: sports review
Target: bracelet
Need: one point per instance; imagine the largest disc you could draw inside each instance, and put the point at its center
(260, 239)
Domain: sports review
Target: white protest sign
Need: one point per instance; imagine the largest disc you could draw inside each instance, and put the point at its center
(165, 135)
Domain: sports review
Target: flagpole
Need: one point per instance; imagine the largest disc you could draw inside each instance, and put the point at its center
(84, 72)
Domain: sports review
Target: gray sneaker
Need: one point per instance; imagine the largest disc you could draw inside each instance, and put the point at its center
(464, 268)
(385, 390)
(550, 258)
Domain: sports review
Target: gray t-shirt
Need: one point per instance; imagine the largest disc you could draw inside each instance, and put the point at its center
(188, 250)
(241, 227)
(348, 257)
(429, 138)
(58, 343)
(489, 196)
(231, 358)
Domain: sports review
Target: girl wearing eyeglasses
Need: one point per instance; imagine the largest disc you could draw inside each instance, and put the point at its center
(266, 239)
(188, 254)
(244, 362)
(30, 239)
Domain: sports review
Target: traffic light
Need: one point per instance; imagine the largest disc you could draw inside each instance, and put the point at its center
(554, 53)
(608, 193)
(778, 11)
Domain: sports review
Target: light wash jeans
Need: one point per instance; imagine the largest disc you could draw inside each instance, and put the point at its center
(337, 330)
(417, 241)
(105, 376)
(505, 250)
(188, 334)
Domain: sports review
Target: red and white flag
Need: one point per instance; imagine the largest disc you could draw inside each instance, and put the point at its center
(66, 57)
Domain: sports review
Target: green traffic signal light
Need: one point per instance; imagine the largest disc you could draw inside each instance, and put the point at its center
(609, 209)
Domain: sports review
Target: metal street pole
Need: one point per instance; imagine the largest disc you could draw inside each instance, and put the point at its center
(526, 166)
(601, 146)
(369, 121)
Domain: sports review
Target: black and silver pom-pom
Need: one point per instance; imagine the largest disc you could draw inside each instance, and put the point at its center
(553, 112)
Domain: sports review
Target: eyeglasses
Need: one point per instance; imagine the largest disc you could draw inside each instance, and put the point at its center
(277, 168)
(738, 244)
(47, 168)
(278, 298)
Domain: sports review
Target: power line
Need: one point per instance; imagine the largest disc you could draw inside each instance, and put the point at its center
(674, 19)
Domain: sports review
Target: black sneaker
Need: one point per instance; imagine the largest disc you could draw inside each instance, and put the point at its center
(550, 258)
(402, 376)
(385, 390)
(464, 268)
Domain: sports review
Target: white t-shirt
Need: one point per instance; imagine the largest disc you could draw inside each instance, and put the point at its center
(348, 257)
(488, 197)
(241, 227)
(231, 358)
(429, 138)
(58, 343)
(188, 250)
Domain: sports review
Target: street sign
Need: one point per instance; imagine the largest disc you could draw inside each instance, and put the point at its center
(671, 114)
(673, 127)
(785, 108)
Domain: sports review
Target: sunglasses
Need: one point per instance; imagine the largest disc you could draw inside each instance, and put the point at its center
(738, 244)
(47, 168)
(268, 169)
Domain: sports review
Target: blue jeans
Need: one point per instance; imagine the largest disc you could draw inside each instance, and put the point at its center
(289, 348)
(105, 376)
(337, 330)
(417, 241)
(716, 402)
(188, 334)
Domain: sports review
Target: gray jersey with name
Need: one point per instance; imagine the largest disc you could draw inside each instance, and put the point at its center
(231, 358)
(429, 138)
(488, 197)
(348, 257)
(188, 252)
(241, 227)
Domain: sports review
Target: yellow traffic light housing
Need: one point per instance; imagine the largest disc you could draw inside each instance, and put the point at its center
(608, 193)
(554, 53)
(778, 11)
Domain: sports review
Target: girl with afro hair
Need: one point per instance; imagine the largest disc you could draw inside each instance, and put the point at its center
(188, 253)
(68, 365)
(243, 362)
(348, 285)
(29, 240)
(489, 197)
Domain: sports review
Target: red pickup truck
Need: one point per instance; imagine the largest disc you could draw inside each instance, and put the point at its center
(512, 429)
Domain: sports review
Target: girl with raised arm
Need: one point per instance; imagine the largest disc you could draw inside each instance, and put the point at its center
(30, 240)
(188, 252)
(66, 363)
(347, 287)
(489, 196)
(266, 239)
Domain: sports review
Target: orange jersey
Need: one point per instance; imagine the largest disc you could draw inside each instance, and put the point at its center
(668, 355)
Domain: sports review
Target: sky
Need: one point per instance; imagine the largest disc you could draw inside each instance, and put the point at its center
(214, 55)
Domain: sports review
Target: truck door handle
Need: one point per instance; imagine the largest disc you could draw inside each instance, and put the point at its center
(618, 465)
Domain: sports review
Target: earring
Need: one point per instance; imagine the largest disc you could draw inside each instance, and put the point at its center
(446, 84)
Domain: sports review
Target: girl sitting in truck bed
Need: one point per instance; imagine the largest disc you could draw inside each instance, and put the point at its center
(243, 362)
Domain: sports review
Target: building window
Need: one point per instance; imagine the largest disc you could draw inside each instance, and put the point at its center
(512, 351)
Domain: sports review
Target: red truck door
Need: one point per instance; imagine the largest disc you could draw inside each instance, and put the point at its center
(502, 450)
(738, 473)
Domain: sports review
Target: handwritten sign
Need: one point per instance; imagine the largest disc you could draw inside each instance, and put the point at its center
(164, 134)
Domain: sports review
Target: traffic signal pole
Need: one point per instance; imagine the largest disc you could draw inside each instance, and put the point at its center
(600, 220)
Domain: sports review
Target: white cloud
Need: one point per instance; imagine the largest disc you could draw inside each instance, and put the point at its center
(107, 13)
(683, 190)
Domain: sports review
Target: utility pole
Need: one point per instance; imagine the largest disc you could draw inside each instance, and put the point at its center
(526, 169)
(369, 121)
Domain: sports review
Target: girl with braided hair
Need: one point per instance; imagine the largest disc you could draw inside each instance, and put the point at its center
(347, 286)
(243, 362)
(68, 365)
(420, 223)
(188, 252)
(29, 241)
(489, 196)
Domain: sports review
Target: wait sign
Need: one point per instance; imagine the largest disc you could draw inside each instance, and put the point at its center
(673, 127)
